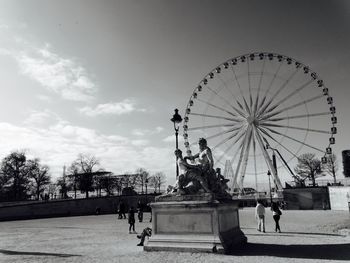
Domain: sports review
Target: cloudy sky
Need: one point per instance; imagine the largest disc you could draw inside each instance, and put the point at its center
(104, 77)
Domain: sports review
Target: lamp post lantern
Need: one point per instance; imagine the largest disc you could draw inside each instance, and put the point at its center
(176, 119)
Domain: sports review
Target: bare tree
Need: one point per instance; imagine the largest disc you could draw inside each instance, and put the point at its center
(107, 183)
(142, 177)
(331, 167)
(85, 166)
(73, 178)
(64, 186)
(308, 167)
(157, 180)
(128, 180)
(119, 184)
(39, 175)
(52, 188)
(103, 180)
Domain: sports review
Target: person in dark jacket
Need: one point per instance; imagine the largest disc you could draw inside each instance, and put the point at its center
(140, 211)
(276, 214)
(131, 220)
(121, 210)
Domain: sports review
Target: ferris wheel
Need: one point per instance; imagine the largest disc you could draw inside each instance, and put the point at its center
(256, 103)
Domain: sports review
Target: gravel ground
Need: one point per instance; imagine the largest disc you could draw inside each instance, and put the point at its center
(307, 236)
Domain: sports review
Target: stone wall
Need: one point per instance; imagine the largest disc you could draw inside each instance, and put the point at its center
(306, 198)
(68, 207)
(339, 197)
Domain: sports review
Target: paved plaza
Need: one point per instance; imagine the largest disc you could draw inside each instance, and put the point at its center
(307, 236)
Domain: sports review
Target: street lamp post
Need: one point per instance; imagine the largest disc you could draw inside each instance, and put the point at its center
(146, 182)
(176, 119)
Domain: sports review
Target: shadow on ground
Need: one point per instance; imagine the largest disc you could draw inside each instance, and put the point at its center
(329, 251)
(12, 252)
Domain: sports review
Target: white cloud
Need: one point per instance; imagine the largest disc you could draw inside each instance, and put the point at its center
(115, 108)
(59, 145)
(159, 129)
(140, 142)
(60, 75)
(171, 139)
(144, 132)
(3, 26)
(36, 117)
(44, 98)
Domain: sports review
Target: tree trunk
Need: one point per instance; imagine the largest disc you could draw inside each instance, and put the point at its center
(313, 180)
(37, 193)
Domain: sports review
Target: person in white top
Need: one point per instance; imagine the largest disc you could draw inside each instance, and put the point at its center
(260, 215)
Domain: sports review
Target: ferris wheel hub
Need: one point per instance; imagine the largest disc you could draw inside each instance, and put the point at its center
(252, 120)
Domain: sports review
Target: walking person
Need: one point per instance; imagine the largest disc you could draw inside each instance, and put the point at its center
(140, 211)
(121, 210)
(131, 220)
(276, 214)
(260, 215)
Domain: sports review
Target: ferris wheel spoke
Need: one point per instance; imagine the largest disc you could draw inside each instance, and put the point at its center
(272, 138)
(230, 147)
(279, 90)
(268, 89)
(283, 162)
(238, 150)
(298, 116)
(227, 102)
(291, 107)
(223, 132)
(233, 99)
(209, 127)
(294, 127)
(216, 117)
(228, 138)
(217, 107)
(240, 90)
(288, 96)
(250, 88)
(259, 87)
(247, 107)
(296, 140)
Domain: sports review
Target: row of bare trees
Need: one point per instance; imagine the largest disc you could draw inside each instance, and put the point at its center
(86, 175)
(22, 178)
(309, 167)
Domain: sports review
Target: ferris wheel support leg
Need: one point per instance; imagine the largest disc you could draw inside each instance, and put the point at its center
(245, 159)
(267, 159)
(240, 159)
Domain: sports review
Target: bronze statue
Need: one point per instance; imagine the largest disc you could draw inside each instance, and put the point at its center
(200, 177)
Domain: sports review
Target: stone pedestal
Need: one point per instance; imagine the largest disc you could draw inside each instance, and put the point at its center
(195, 224)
